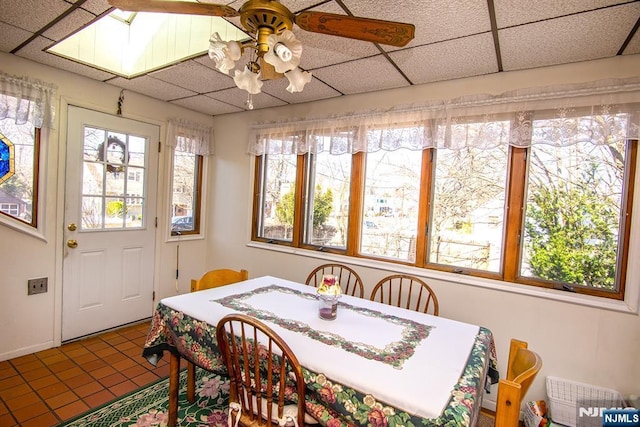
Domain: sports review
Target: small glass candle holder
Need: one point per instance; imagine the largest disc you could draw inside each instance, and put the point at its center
(328, 293)
(328, 306)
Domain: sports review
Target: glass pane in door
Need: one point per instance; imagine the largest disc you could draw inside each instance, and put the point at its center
(113, 181)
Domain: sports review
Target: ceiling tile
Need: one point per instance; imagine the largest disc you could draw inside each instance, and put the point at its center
(12, 37)
(150, 86)
(634, 45)
(194, 76)
(76, 19)
(364, 75)
(573, 38)
(474, 56)
(313, 90)
(319, 50)
(239, 98)
(518, 12)
(206, 105)
(41, 12)
(435, 20)
(97, 7)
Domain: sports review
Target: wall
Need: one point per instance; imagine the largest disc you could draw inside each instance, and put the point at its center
(593, 345)
(32, 323)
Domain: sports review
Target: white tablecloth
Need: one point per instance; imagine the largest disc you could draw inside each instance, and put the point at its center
(420, 385)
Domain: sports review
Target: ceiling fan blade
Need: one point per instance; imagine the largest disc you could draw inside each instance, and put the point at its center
(183, 7)
(370, 30)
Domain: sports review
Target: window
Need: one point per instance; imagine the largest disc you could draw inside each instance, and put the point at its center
(327, 200)
(109, 158)
(19, 154)
(539, 197)
(575, 201)
(190, 143)
(277, 197)
(390, 208)
(26, 108)
(185, 200)
(468, 199)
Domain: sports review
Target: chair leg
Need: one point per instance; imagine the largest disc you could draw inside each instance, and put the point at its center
(174, 382)
(191, 382)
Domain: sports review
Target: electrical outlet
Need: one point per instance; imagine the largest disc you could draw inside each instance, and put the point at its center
(37, 286)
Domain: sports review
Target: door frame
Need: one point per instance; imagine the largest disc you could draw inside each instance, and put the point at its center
(62, 113)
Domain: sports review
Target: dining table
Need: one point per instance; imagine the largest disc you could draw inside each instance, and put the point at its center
(374, 364)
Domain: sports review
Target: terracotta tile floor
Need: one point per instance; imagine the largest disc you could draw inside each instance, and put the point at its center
(50, 386)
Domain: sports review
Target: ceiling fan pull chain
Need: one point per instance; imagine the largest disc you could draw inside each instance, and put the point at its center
(250, 102)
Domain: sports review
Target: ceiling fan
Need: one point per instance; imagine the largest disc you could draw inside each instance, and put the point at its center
(270, 23)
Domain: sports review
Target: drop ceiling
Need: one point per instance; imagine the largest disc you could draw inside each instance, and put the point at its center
(454, 39)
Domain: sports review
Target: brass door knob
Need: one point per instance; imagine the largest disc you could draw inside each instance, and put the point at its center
(72, 243)
(72, 227)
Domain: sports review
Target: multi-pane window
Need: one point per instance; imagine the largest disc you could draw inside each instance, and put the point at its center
(186, 192)
(390, 208)
(190, 143)
(468, 199)
(327, 200)
(19, 154)
(277, 197)
(575, 201)
(110, 160)
(535, 197)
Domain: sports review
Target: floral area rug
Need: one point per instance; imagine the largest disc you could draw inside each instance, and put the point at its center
(148, 406)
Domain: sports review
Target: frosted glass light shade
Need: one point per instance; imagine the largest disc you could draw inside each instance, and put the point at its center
(248, 81)
(297, 79)
(224, 54)
(285, 59)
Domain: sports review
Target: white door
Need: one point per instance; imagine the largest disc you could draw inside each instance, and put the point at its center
(109, 236)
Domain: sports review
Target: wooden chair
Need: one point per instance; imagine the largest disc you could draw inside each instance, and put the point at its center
(215, 278)
(522, 368)
(264, 374)
(350, 281)
(407, 292)
(211, 279)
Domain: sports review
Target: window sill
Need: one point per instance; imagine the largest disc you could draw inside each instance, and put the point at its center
(629, 305)
(23, 228)
(185, 238)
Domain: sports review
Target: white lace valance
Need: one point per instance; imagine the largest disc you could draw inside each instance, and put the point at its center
(600, 112)
(190, 137)
(25, 100)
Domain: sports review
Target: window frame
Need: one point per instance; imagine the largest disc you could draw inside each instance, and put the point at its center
(515, 193)
(197, 199)
(35, 207)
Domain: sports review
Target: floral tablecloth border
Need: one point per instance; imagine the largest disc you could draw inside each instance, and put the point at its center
(394, 353)
(331, 403)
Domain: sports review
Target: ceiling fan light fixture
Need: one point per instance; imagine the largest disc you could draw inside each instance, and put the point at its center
(297, 79)
(284, 51)
(275, 52)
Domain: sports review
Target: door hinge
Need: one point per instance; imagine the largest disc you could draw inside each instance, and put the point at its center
(159, 146)
(156, 222)
(154, 295)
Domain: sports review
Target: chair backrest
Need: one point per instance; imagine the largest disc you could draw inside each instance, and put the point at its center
(522, 368)
(406, 291)
(350, 281)
(254, 354)
(215, 278)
